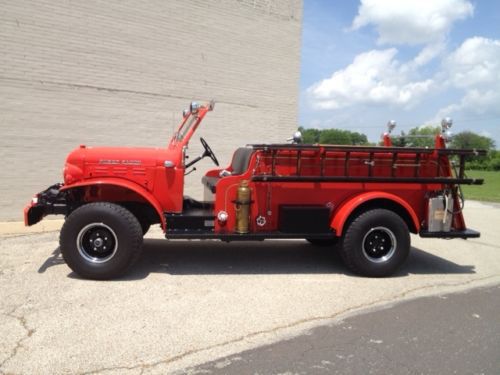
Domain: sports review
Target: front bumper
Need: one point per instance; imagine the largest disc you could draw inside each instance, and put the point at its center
(48, 202)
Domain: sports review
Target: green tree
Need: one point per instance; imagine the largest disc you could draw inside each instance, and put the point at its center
(333, 136)
(494, 162)
(358, 138)
(471, 140)
(423, 136)
(420, 136)
(399, 141)
(310, 136)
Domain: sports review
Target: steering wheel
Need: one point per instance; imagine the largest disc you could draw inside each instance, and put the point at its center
(208, 151)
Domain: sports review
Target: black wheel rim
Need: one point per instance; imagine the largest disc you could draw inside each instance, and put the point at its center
(379, 245)
(97, 243)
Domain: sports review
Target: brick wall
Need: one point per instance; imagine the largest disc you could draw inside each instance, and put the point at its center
(120, 73)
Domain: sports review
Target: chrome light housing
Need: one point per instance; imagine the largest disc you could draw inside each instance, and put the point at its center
(222, 216)
(446, 123)
(390, 126)
(296, 138)
(194, 107)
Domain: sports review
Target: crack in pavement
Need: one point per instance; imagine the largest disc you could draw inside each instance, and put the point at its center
(395, 298)
(19, 344)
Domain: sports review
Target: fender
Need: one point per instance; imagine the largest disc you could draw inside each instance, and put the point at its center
(344, 211)
(126, 185)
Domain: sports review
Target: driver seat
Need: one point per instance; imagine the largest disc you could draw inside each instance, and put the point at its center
(239, 165)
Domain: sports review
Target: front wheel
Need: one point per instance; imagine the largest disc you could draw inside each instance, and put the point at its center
(376, 243)
(101, 240)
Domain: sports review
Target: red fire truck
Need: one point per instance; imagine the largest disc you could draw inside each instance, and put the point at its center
(362, 201)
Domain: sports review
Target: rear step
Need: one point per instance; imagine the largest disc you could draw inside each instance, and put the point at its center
(467, 233)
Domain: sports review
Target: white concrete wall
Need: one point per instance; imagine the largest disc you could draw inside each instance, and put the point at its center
(120, 73)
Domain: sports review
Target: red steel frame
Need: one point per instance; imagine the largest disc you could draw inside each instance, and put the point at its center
(342, 178)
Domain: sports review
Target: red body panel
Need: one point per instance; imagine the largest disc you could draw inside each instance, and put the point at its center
(341, 197)
(346, 209)
(100, 185)
(142, 170)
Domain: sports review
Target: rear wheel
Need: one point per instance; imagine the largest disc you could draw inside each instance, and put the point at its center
(101, 240)
(376, 243)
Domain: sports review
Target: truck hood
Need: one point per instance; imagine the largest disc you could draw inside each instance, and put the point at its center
(145, 157)
(85, 162)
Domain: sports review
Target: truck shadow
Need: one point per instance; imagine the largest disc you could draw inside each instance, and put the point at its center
(248, 258)
(54, 259)
(273, 257)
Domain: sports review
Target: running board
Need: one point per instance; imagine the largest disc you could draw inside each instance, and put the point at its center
(203, 235)
(467, 233)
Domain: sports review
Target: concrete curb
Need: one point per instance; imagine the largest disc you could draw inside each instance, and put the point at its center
(17, 227)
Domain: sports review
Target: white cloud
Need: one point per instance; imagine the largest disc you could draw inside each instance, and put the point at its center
(474, 67)
(411, 21)
(475, 63)
(429, 52)
(475, 101)
(374, 77)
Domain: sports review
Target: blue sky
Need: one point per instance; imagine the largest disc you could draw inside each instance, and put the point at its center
(415, 61)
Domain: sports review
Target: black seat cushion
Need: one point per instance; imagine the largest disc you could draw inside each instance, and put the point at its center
(241, 159)
(239, 165)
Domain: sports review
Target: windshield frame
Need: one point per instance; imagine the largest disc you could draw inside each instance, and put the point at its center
(184, 128)
(188, 126)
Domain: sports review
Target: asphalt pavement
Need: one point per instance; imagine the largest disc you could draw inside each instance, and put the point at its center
(447, 334)
(189, 302)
